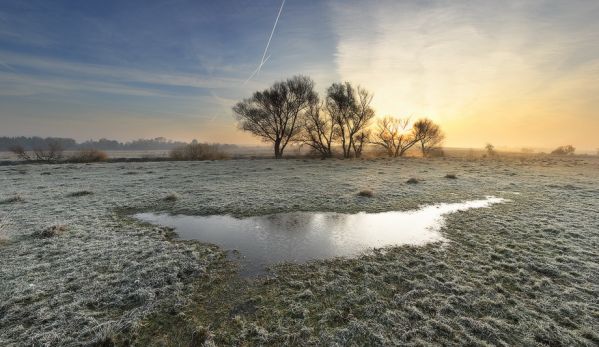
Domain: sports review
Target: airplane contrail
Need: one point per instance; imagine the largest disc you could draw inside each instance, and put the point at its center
(257, 69)
(264, 57)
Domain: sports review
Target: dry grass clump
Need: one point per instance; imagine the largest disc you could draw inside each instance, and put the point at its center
(413, 181)
(198, 151)
(89, 156)
(51, 231)
(172, 197)
(366, 193)
(12, 200)
(451, 176)
(80, 193)
(3, 224)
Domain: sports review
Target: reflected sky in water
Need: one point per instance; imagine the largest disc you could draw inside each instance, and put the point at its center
(302, 236)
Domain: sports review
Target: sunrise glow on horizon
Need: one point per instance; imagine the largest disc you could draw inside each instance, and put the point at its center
(515, 74)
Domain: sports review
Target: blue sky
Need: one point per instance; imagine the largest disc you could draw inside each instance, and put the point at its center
(132, 68)
(487, 71)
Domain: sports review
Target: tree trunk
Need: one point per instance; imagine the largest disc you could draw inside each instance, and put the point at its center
(278, 150)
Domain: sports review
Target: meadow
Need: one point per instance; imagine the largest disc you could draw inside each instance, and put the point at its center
(76, 268)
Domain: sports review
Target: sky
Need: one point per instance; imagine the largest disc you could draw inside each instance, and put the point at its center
(512, 73)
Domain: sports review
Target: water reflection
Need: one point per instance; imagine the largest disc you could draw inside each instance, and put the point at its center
(301, 236)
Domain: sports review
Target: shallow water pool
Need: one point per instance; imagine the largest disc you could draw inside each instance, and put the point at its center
(303, 236)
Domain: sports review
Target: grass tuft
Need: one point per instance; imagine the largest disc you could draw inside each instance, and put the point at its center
(12, 200)
(51, 231)
(80, 193)
(366, 193)
(172, 197)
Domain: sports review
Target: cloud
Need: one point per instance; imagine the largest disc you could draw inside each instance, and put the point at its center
(463, 65)
(48, 66)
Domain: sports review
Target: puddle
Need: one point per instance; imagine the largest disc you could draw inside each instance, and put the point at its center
(302, 236)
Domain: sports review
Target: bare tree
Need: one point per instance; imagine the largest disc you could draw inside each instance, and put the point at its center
(351, 112)
(52, 153)
(275, 114)
(394, 135)
(20, 152)
(320, 129)
(428, 134)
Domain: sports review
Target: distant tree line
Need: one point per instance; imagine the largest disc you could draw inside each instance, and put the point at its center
(291, 111)
(53, 143)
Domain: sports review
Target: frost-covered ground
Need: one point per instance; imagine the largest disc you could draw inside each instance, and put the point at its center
(520, 273)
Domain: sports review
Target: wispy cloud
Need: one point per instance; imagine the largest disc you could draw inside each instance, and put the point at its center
(48, 66)
(489, 66)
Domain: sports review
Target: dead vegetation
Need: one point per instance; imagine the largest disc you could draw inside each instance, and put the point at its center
(52, 152)
(198, 151)
(51, 231)
(13, 199)
(80, 193)
(366, 193)
(564, 150)
(172, 197)
(88, 156)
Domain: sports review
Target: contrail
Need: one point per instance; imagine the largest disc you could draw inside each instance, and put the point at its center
(257, 69)
(264, 57)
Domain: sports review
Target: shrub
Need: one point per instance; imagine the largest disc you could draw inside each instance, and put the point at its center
(4, 221)
(436, 152)
(20, 152)
(53, 152)
(51, 231)
(564, 150)
(366, 193)
(12, 199)
(80, 193)
(171, 197)
(490, 149)
(88, 156)
(198, 151)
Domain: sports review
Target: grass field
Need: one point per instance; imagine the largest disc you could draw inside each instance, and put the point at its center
(77, 269)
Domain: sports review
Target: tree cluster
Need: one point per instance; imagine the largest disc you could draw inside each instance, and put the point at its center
(291, 111)
(69, 144)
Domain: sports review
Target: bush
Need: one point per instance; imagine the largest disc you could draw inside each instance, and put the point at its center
(490, 149)
(80, 193)
(13, 199)
(564, 150)
(436, 152)
(88, 156)
(51, 231)
(366, 193)
(171, 197)
(20, 152)
(198, 151)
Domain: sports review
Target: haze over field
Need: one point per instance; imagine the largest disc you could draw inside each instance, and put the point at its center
(517, 73)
